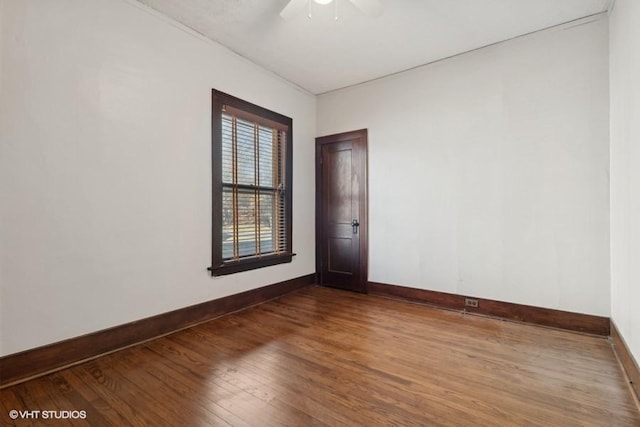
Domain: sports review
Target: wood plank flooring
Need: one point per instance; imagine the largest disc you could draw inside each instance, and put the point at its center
(321, 356)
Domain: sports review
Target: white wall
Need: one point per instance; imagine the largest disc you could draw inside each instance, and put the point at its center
(488, 172)
(105, 167)
(625, 170)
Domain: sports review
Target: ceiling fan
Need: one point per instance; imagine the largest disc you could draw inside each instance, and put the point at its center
(369, 7)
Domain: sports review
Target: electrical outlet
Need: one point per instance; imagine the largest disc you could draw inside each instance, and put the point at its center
(471, 302)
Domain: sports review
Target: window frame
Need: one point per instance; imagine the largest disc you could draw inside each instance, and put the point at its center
(220, 266)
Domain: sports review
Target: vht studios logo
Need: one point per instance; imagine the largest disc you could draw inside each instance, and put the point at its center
(47, 415)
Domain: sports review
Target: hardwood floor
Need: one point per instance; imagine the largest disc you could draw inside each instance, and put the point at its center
(321, 356)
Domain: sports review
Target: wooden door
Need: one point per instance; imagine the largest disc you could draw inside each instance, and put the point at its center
(341, 210)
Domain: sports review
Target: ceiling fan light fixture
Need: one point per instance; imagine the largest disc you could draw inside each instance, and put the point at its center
(368, 7)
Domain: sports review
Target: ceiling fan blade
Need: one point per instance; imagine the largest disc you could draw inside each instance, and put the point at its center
(369, 7)
(292, 8)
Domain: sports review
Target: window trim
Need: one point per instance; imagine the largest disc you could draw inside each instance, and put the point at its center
(219, 266)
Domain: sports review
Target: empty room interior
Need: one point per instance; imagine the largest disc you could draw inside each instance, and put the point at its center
(316, 212)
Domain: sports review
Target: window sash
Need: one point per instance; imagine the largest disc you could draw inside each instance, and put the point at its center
(253, 187)
(255, 229)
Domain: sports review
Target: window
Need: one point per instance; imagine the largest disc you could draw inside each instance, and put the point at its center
(252, 162)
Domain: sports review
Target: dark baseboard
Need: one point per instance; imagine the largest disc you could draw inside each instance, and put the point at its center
(28, 364)
(626, 359)
(585, 323)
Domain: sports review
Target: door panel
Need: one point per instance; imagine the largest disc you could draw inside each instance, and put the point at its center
(339, 255)
(337, 181)
(341, 203)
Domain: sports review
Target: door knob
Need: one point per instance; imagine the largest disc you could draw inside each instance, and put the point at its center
(355, 224)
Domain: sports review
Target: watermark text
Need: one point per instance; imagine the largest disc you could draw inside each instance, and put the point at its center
(14, 414)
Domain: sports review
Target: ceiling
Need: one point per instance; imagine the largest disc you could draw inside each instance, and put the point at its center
(322, 54)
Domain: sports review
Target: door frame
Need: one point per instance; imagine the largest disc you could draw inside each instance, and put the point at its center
(360, 141)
